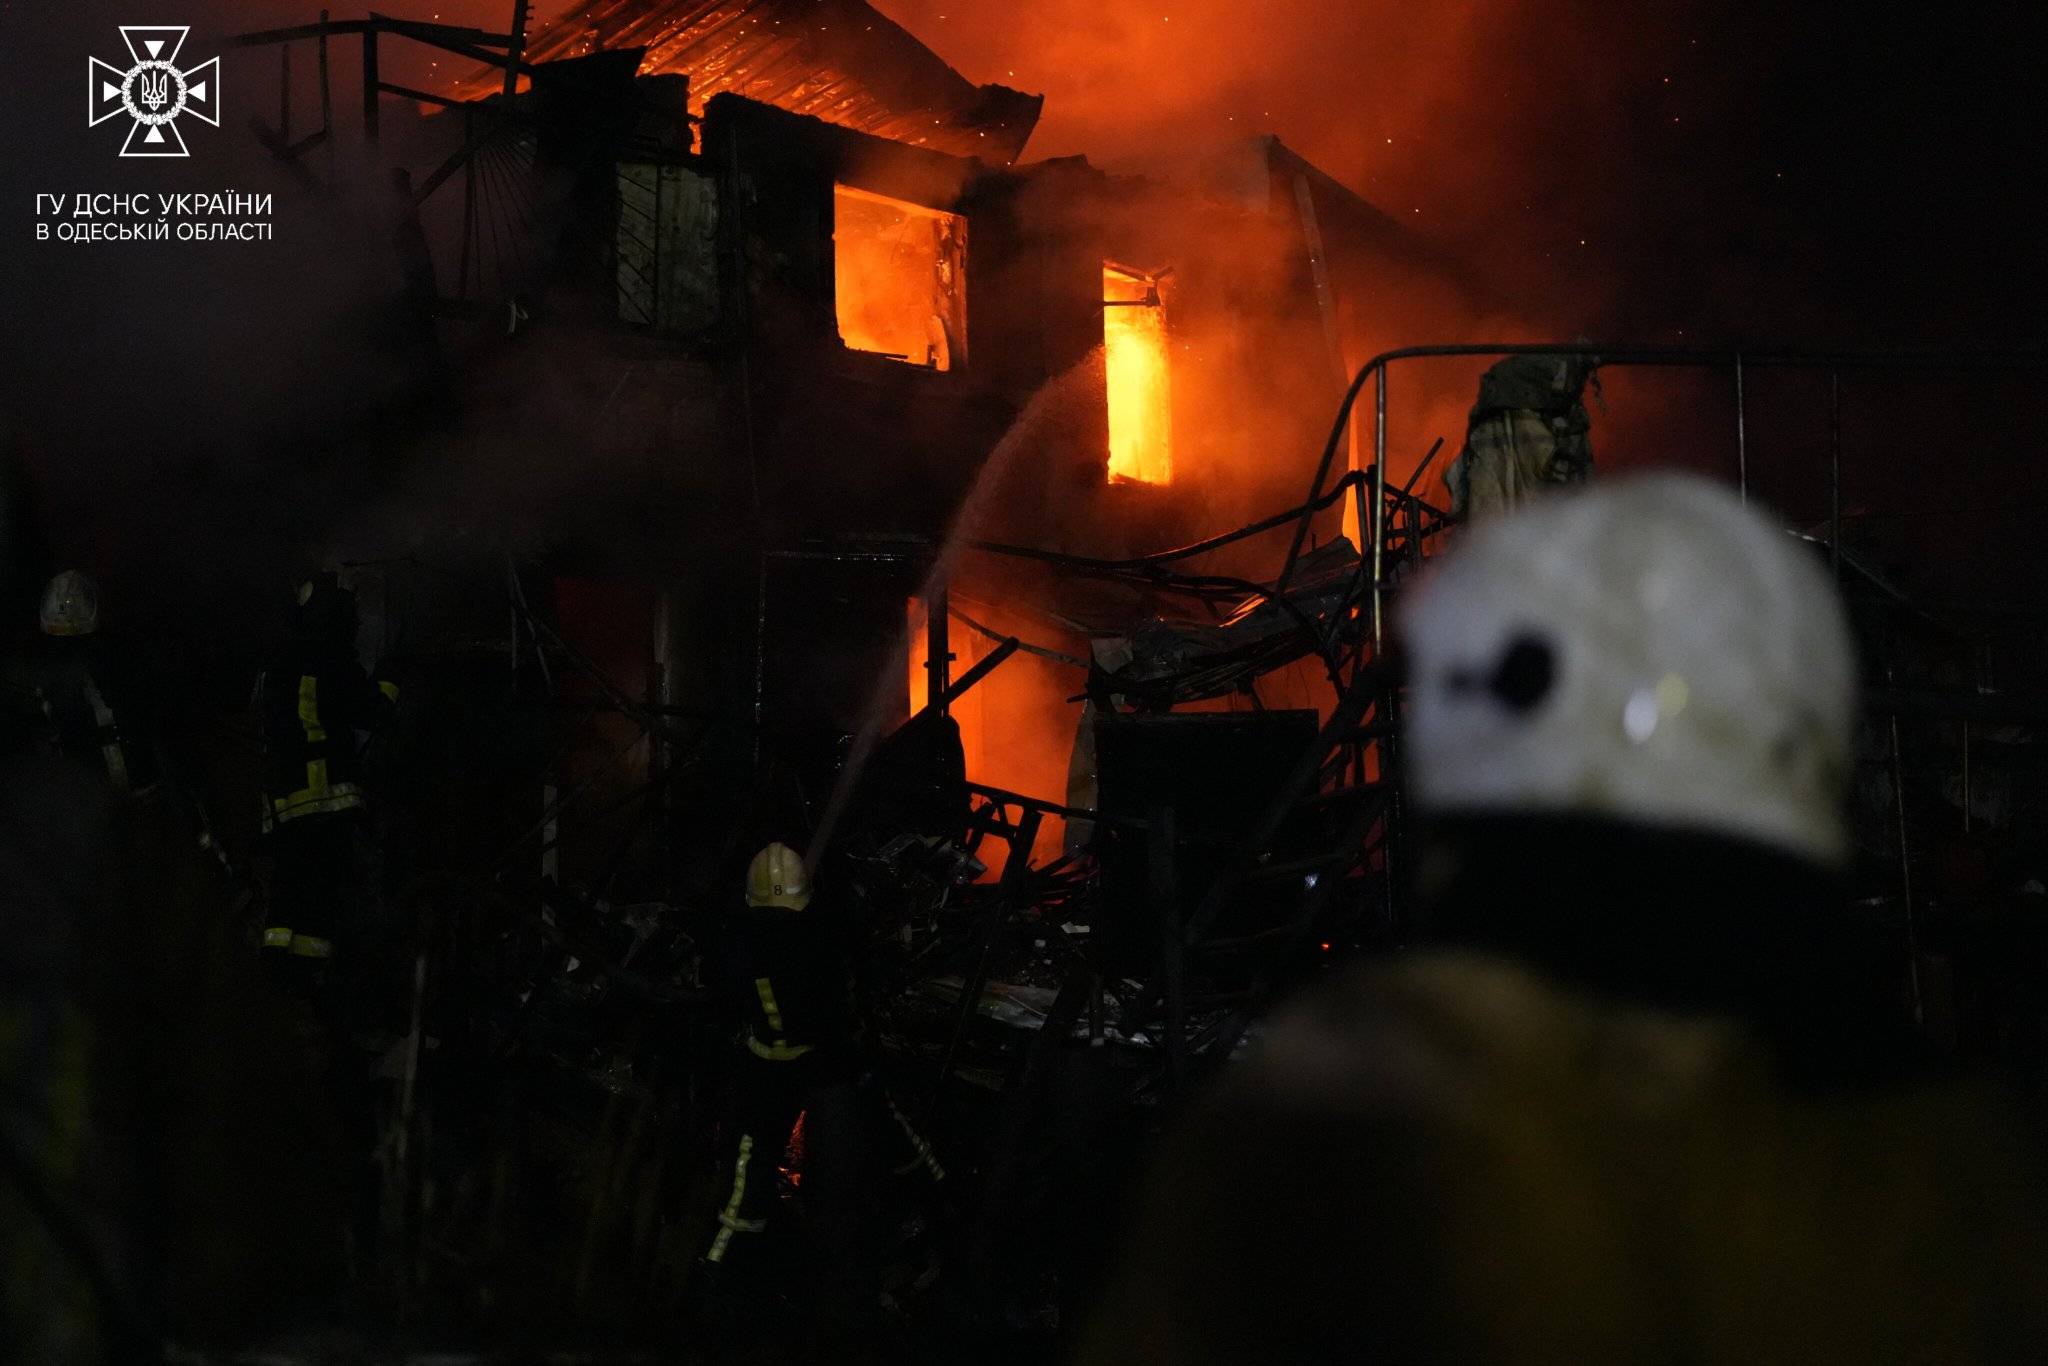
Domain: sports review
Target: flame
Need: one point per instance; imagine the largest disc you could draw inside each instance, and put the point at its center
(899, 278)
(792, 1164)
(1016, 726)
(1135, 363)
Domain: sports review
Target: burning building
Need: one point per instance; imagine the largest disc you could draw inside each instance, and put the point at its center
(799, 462)
(757, 448)
(779, 284)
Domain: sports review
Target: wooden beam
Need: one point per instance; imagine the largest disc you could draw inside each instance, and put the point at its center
(288, 155)
(406, 92)
(475, 54)
(370, 84)
(456, 160)
(436, 34)
(326, 91)
(518, 48)
(343, 27)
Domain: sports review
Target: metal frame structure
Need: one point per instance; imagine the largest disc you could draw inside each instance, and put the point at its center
(474, 43)
(496, 135)
(1736, 362)
(1397, 527)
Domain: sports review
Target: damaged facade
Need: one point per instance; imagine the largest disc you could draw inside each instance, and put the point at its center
(854, 485)
(778, 508)
(789, 328)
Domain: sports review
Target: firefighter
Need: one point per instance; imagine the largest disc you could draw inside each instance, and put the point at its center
(1528, 433)
(77, 1274)
(69, 695)
(800, 1052)
(313, 702)
(1644, 1096)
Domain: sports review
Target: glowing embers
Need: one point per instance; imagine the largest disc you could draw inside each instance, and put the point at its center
(900, 275)
(1135, 365)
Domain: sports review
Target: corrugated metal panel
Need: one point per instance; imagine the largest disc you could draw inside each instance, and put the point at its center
(837, 60)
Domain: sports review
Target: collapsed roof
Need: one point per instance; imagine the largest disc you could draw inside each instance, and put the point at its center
(838, 60)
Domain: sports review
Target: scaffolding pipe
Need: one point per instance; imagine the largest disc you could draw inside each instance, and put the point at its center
(1607, 355)
(938, 662)
(469, 220)
(1966, 777)
(760, 655)
(517, 50)
(1906, 874)
(1835, 472)
(1379, 508)
(1741, 435)
(326, 90)
(371, 81)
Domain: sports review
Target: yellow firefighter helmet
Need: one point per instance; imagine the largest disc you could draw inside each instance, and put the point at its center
(71, 605)
(777, 877)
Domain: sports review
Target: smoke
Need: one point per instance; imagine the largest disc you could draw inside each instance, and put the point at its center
(1669, 172)
(1821, 176)
(1677, 173)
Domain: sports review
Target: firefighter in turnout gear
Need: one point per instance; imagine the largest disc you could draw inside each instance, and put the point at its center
(1528, 434)
(1641, 1091)
(800, 1055)
(313, 702)
(71, 697)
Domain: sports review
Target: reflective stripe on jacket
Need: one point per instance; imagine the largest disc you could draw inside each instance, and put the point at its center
(311, 711)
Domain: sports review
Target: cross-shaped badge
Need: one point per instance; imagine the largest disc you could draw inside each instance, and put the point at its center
(153, 91)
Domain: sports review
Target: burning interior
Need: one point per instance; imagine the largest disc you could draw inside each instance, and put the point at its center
(899, 278)
(1136, 356)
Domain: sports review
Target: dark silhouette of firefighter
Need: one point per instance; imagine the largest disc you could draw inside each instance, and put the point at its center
(78, 1273)
(800, 1054)
(69, 694)
(1528, 434)
(315, 702)
(1645, 1096)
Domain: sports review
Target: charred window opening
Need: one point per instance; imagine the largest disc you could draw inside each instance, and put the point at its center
(1135, 366)
(900, 278)
(666, 250)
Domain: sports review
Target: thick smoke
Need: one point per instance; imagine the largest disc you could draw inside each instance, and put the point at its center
(1662, 171)
(1821, 176)
(1681, 172)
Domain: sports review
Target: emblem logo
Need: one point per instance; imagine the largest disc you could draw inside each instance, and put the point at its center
(153, 91)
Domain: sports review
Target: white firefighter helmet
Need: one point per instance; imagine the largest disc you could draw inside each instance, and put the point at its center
(1649, 651)
(71, 605)
(777, 877)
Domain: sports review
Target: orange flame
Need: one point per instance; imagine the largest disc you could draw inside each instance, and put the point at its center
(1016, 726)
(899, 278)
(1135, 362)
